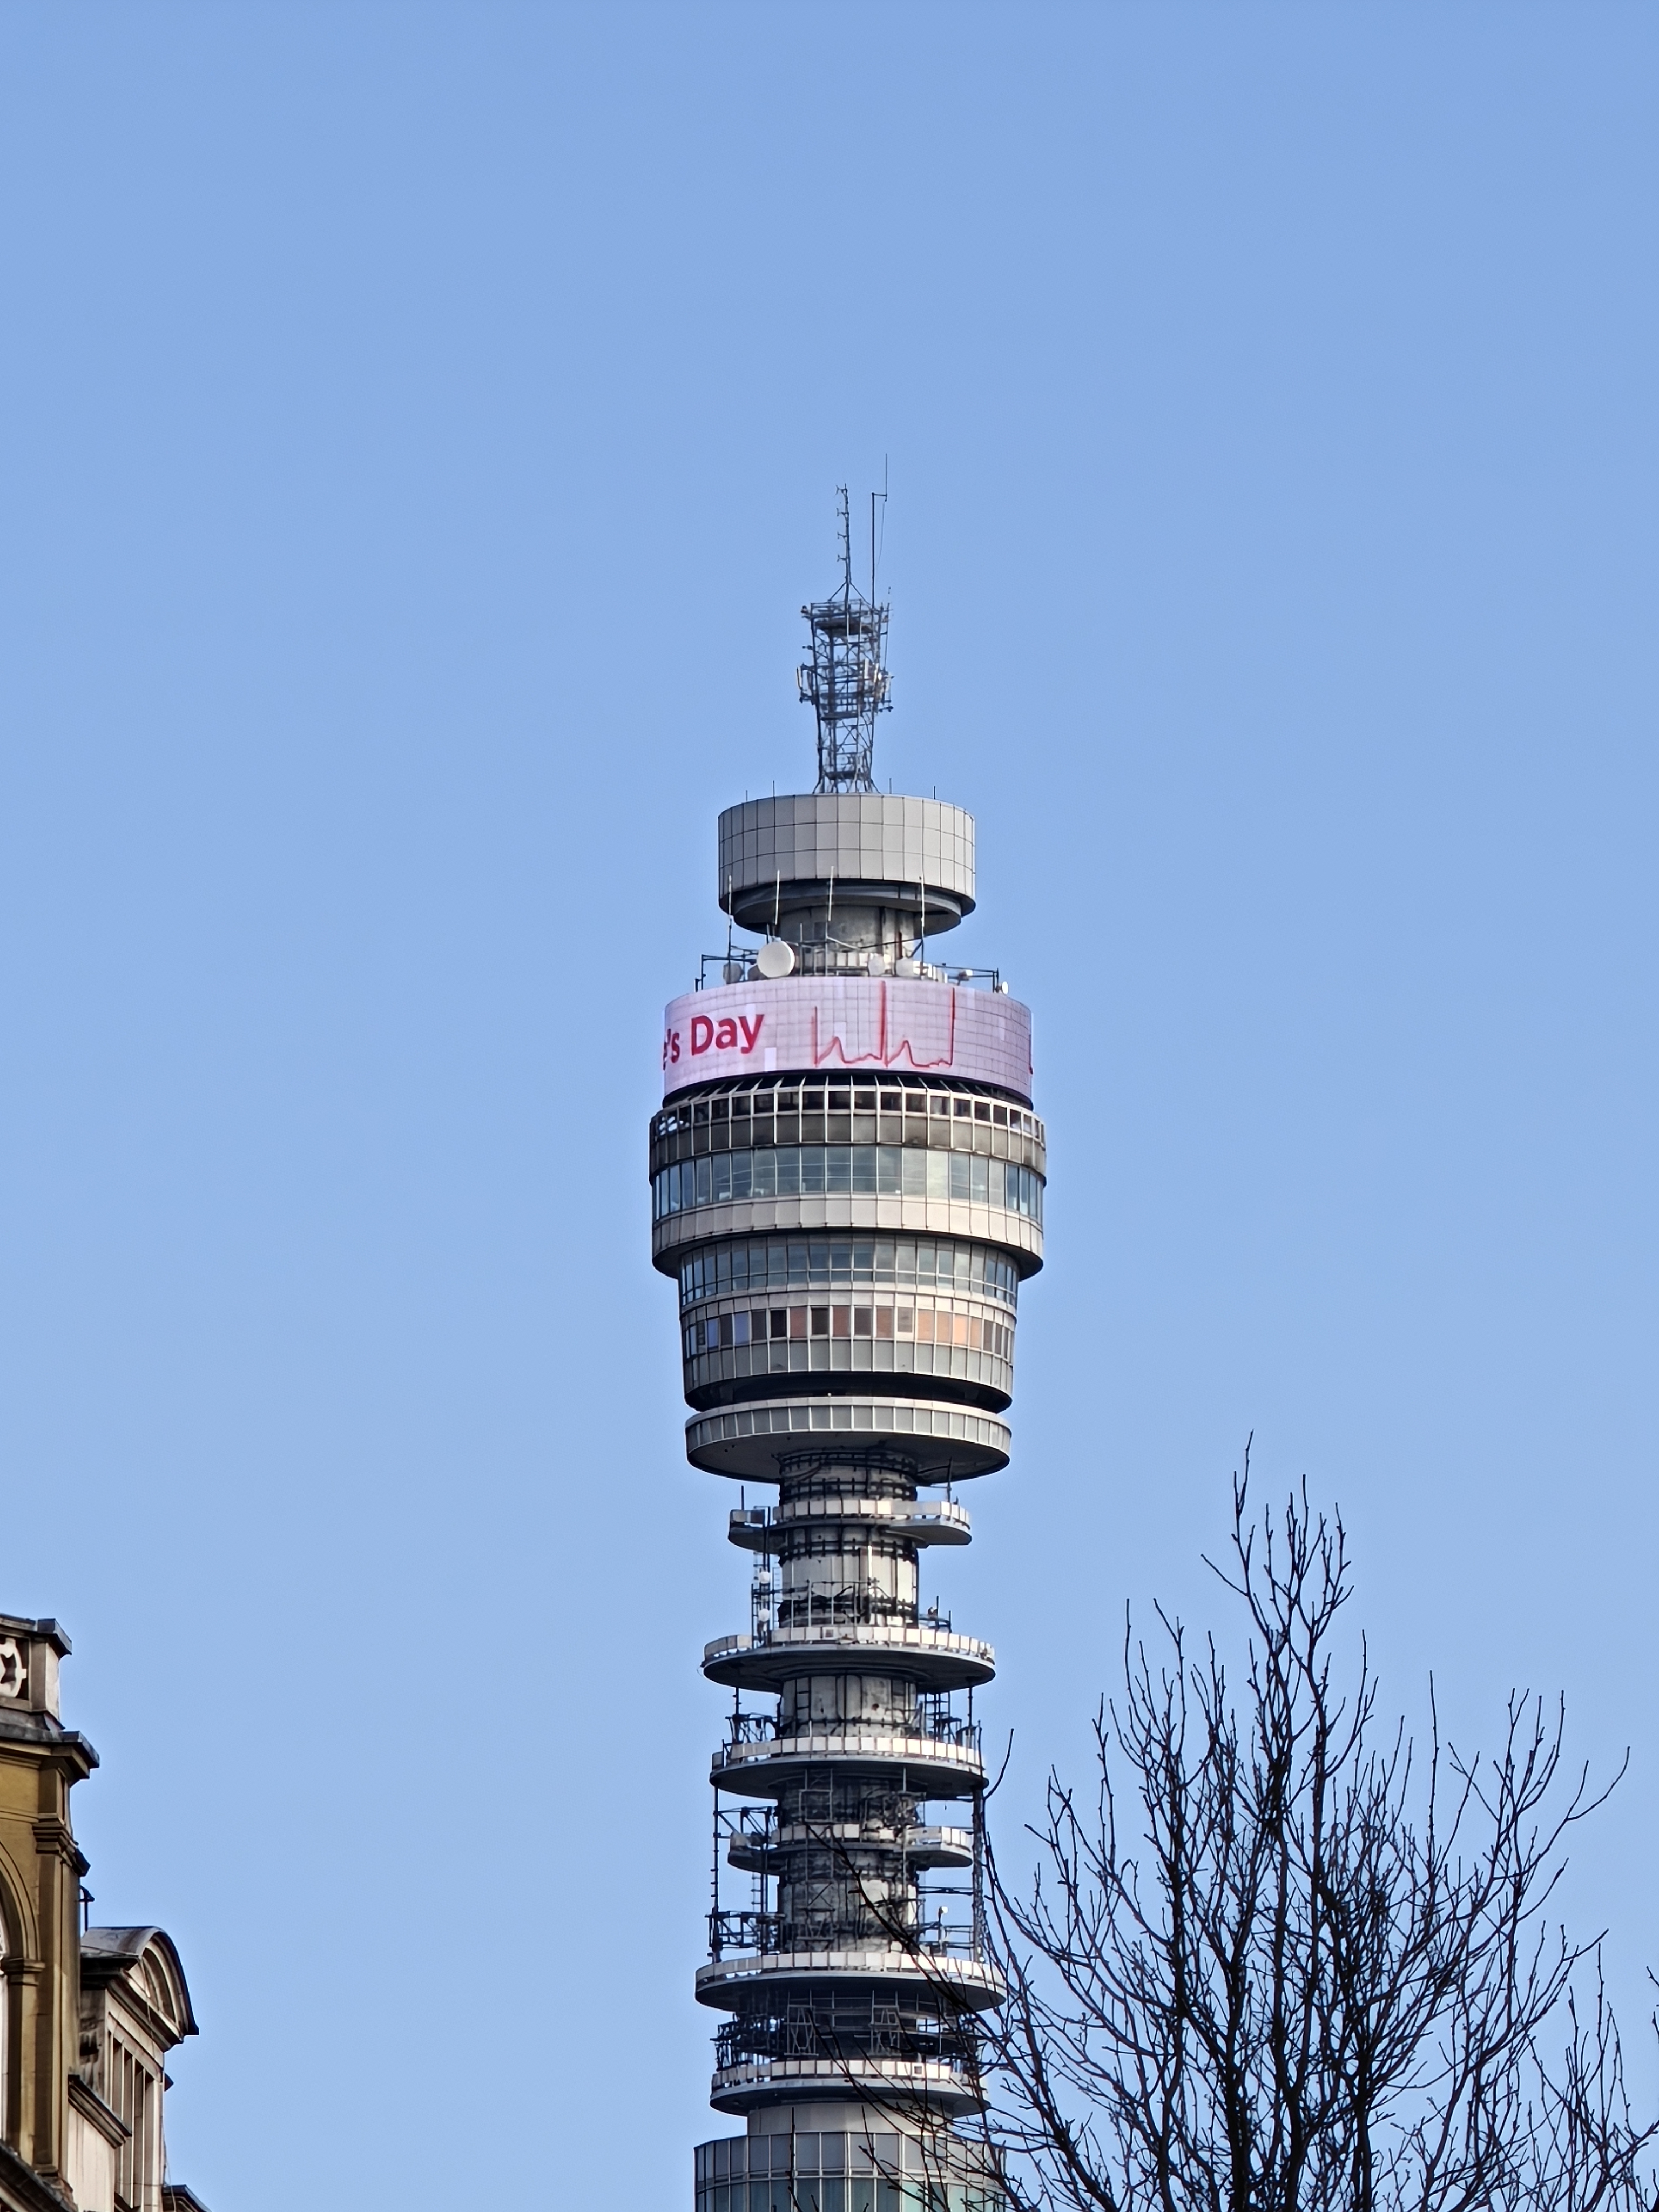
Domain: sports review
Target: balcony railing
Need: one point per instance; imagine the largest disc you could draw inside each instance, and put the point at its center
(790, 1611)
(737, 965)
(949, 2045)
(749, 1932)
(934, 1728)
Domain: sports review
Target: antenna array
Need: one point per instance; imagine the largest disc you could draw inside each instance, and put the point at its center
(846, 683)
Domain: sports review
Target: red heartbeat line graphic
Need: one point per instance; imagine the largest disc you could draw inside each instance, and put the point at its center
(885, 1054)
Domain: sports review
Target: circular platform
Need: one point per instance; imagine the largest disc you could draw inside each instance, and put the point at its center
(922, 2085)
(934, 1657)
(949, 1444)
(853, 848)
(933, 1766)
(918, 1521)
(967, 1984)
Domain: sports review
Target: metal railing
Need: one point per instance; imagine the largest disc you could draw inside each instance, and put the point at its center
(747, 1931)
(866, 1607)
(737, 965)
(934, 1728)
(742, 2041)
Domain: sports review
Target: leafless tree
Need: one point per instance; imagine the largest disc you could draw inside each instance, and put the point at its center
(1272, 1963)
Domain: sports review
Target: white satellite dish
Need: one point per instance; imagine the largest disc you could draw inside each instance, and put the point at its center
(774, 960)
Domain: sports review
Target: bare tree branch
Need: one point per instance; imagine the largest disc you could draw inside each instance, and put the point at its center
(1315, 1973)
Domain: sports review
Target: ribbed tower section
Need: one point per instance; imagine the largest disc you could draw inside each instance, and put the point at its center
(846, 1185)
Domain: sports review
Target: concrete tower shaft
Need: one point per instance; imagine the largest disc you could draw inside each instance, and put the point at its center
(846, 1186)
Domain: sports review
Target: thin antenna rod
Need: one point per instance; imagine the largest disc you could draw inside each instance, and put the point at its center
(874, 496)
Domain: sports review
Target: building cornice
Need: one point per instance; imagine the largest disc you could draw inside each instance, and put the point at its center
(91, 2106)
(38, 1732)
(23, 2190)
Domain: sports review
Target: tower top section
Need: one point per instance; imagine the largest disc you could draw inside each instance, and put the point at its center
(846, 681)
(846, 854)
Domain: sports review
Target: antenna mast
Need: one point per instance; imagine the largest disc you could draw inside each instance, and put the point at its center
(846, 682)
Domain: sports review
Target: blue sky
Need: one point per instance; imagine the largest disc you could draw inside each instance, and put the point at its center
(422, 426)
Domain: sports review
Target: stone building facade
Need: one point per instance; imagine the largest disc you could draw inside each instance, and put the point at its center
(87, 2016)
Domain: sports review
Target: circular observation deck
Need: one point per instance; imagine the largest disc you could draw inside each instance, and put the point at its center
(946, 1442)
(965, 1984)
(932, 1658)
(927, 1849)
(915, 1520)
(927, 2085)
(931, 1766)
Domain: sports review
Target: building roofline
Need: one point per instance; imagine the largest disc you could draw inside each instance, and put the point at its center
(106, 1953)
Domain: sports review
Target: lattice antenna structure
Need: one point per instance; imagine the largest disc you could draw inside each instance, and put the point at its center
(846, 682)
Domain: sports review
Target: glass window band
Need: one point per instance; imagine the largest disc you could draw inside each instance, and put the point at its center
(786, 1113)
(846, 1171)
(746, 1265)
